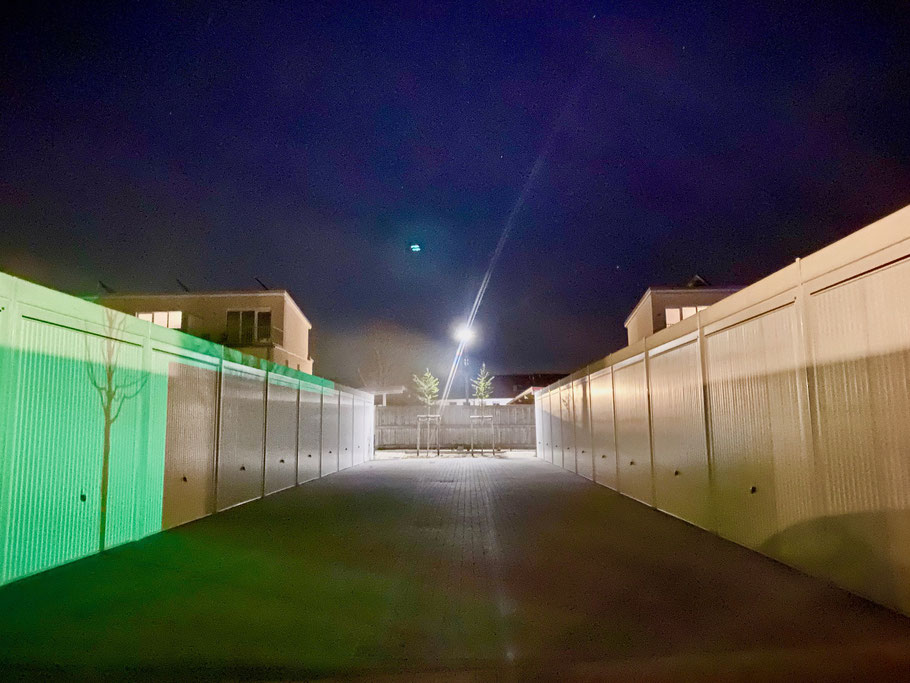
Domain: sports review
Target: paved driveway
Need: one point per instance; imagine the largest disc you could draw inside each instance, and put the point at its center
(470, 567)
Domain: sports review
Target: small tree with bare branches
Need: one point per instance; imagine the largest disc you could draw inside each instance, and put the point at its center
(115, 387)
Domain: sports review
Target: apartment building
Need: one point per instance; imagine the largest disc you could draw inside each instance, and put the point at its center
(264, 323)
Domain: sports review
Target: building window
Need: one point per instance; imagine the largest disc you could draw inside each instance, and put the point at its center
(249, 327)
(674, 315)
(172, 319)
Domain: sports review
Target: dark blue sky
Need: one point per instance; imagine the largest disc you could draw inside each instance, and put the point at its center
(308, 144)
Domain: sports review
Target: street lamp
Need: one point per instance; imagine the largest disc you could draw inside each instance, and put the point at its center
(464, 334)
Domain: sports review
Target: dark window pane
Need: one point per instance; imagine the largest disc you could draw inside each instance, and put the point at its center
(233, 327)
(247, 319)
(264, 326)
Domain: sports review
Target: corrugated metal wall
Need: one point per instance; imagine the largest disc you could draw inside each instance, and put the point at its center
(189, 456)
(362, 430)
(330, 432)
(776, 417)
(567, 420)
(604, 441)
(309, 435)
(633, 441)
(681, 480)
(345, 432)
(281, 438)
(112, 428)
(56, 483)
(584, 459)
(554, 449)
(242, 442)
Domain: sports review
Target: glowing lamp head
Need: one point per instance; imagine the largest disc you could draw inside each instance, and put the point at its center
(464, 334)
(414, 247)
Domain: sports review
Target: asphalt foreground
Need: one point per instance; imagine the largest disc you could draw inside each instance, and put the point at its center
(444, 569)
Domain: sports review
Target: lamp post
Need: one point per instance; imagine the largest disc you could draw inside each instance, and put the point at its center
(464, 335)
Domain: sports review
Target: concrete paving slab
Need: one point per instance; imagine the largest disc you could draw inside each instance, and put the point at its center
(448, 568)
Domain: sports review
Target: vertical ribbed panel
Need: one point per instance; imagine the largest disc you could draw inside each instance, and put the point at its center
(360, 431)
(681, 482)
(371, 427)
(189, 461)
(545, 449)
(567, 419)
(7, 406)
(633, 442)
(345, 431)
(555, 429)
(356, 420)
(852, 391)
(538, 428)
(281, 438)
(310, 428)
(584, 461)
(7, 398)
(794, 469)
(149, 492)
(860, 333)
(329, 432)
(242, 433)
(602, 429)
(58, 445)
(755, 427)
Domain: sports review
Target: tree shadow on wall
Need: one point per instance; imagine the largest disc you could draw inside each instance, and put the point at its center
(852, 550)
(116, 386)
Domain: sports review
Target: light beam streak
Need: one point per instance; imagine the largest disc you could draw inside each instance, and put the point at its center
(507, 228)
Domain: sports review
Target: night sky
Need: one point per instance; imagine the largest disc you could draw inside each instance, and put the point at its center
(309, 145)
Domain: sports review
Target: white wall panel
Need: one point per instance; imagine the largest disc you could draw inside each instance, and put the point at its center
(604, 445)
(860, 333)
(584, 459)
(555, 429)
(755, 427)
(242, 441)
(681, 481)
(329, 432)
(567, 420)
(308, 435)
(280, 438)
(633, 441)
(802, 451)
(345, 431)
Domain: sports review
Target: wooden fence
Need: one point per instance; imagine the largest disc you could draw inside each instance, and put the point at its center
(513, 426)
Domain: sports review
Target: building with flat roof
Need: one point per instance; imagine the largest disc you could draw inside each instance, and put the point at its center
(660, 307)
(264, 323)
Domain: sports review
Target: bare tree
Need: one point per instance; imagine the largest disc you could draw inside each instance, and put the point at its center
(115, 386)
(378, 371)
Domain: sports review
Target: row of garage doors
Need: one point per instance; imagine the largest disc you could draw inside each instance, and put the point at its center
(236, 435)
(776, 418)
(112, 428)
